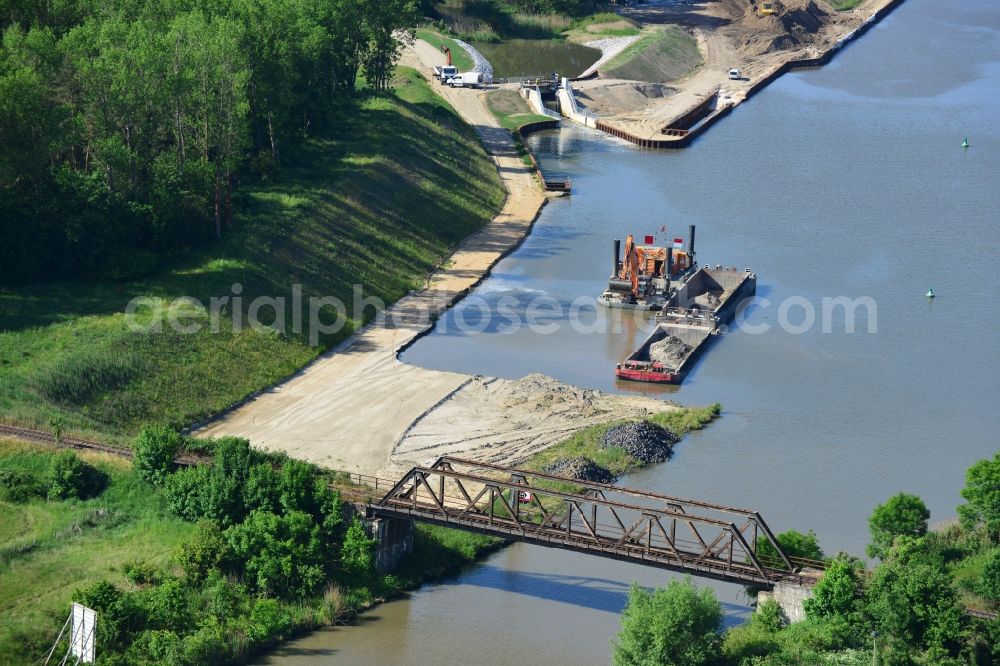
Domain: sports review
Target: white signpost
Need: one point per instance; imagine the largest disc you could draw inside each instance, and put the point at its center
(83, 634)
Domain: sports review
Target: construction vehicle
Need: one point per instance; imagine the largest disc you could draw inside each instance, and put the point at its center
(642, 278)
(466, 80)
(770, 8)
(445, 73)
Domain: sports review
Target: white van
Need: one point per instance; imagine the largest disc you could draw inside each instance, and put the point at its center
(466, 80)
(735, 75)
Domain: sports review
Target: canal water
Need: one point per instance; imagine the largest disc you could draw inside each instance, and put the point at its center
(847, 181)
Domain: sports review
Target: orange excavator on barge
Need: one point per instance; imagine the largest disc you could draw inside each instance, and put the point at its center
(689, 311)
(645, 277)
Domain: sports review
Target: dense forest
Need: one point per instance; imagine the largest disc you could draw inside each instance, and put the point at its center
(125, 125)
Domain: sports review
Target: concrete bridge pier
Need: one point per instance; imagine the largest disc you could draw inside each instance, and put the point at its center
(790, 597)
(395, 541)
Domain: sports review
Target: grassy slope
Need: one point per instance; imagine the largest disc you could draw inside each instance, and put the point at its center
(600, 26)
(511, 109)
(459, 56)
(665, 54)
(376, 204)
(50, 549)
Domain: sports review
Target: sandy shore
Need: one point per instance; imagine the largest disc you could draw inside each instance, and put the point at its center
(358, 408)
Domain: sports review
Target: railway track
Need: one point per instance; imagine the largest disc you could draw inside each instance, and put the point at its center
(43, 437)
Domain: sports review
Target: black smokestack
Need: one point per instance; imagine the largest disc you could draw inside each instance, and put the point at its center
(616, 264)
(691, 242)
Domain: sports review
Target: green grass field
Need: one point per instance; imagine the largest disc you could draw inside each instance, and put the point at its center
(377, 204)
(459, 57)
(664, 54)
(511, 109)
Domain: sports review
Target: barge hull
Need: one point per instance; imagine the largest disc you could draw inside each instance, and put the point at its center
(707, 299)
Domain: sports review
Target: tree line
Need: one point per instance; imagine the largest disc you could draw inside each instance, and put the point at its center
(908, 610)
(126, 124)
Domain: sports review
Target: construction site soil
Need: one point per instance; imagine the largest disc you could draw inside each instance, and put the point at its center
(730, 34)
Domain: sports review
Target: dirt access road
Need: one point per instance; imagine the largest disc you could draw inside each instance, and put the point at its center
(358, 408)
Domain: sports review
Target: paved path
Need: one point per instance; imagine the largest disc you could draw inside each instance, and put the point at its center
(349, 407)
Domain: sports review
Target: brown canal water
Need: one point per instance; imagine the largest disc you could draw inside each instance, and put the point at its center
(843, 181)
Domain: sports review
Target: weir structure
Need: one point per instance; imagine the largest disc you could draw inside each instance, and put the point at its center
(683, 535)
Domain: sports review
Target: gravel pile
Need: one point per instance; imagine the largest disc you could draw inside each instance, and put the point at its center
(581, 468)
(481, 63)
(644, 441)
(669, 351)
(609, 48)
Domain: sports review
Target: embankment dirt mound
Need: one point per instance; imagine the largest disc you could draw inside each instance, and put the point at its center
(798, 24)
(643, 441)
(505, 421)
(611, 97)
(580, 468)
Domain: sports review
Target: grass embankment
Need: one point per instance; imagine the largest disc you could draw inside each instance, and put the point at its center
(50, 549)
(664, 54)
(511, 109)
(845, 5)
(459, 56)
(491, 21)
(376, 204)
(600, 26)
(589, 442)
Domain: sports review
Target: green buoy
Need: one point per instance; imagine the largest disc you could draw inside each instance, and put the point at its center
(965, 142)
(930, 293)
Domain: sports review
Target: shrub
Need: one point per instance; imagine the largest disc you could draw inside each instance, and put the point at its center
(989, 587)
(982, 496)
(139, 572)
(71, 478)
(838, 593)
(910, 599)
(279, 555)
(794, 544)
(167, 606)
(268, 622)
(357, 554)
(902, 515)
(155, 450)
(185, 492)
(223, 599)
(678, 625)
(334, 608)
(203, 552)
(205, 646)
(20, 486)
(120, 616)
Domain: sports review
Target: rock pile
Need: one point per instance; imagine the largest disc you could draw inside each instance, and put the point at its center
(482, 65)
(644, 441)
(670, 351)
(581, 468)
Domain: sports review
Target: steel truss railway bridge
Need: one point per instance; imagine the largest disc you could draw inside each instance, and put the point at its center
(689, 536)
